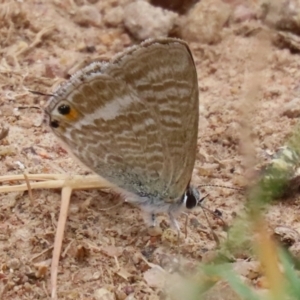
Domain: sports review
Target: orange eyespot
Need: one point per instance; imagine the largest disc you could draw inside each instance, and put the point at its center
(70, 113)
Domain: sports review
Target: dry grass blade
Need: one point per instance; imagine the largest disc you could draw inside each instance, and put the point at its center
(65, 201)
(54, 181)
(67, 184)
(269, 258)
(38, 39)
(29, 188)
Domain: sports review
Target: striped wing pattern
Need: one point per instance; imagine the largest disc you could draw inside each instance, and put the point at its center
(134, 120)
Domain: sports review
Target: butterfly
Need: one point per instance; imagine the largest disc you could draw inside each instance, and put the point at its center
(134, 121)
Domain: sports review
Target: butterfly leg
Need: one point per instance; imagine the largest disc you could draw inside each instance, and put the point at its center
(150, 219)
(174, 223)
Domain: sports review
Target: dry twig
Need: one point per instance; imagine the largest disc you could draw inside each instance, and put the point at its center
(53, 181)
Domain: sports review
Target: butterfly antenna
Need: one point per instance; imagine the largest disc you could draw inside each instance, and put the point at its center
(221, 186)
(217, 240)
(207, 209)
(210, 211)
(41, 94)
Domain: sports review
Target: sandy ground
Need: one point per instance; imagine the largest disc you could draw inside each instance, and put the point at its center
(244, 82)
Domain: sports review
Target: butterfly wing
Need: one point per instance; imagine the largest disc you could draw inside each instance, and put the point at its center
(166, 81)
(134, 121)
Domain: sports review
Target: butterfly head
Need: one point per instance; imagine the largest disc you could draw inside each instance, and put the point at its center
(60, 115)
(191, 197)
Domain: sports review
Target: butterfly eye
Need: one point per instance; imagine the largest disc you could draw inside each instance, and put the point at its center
(191, 197)
(64, 109)
(191, 201)
(54, 124)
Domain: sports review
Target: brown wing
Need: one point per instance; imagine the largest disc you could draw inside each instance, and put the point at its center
(164, 77)
(134, 121)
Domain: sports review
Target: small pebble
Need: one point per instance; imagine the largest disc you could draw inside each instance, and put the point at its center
(87, 15)
(170, 236)
(104, 294)
(145, 21)
(114, 17)
(13, 264)
(205, 21)
(292, 108)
